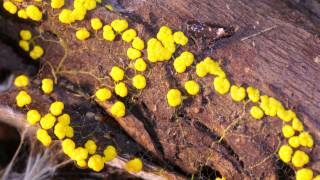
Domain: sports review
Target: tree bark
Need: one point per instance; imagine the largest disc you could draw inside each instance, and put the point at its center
(271, 45)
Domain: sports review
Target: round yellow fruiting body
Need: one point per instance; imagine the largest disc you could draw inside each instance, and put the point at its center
(221, 85)
(222, 178)
(285, 115)
(201, 69)
(66, 17)
(237, 93)
(306, 140)
(304, 174)
(24, 45)
(274, 106)
(22, 13)
(297, 124)
(187, 57)
(34, 13)
(79, 153)
(88, 4)
(135, 165)
(287, 131)
(121, 89)
(110, 153)
(139, 81)
(21, 81)
(256, 112)
(43, 137)
(96, 163)
(174, 97)
(133, 53)
(168, 50)
(119, 25)
(213, 67)
(294, 141)
(10, 7)
(82, 34)
(164, 53)
(91, 146)
(56, 108)
(116, 73)
(118, 109)
(25, 35)
(138, 43)
(56, 4)
(285, 153)
(81, 163)
(78, 13)
(180, 38)
(23, 98)
(64, 119)
(108, 33)
(68, 146)
(168, 43)
(156, 52)
(140, 65)
(164, 32)
(300, 158)
(78, 3)
(47, 85)
(60, 130)
(36, 52)
(264, 103)
(103, 94)
(192, 87)
(253, 94)
(277, 105)
(166, 38)
(179, 65)
(270, 105)
(69, 132)
(129, 35)
(96, 24)
(33, 116)
(47, 121)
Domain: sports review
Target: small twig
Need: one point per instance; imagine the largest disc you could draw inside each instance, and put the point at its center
(268, 157)
(258, 33)
(65, 47)
(52, 72)
(99, 79)
(9, 167)
(120, 163)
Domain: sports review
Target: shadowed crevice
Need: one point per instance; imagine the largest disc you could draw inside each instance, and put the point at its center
(217, 139)
(206, 172)
(284, 171)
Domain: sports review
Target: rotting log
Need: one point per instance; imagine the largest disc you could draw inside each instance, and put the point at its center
(271, 45)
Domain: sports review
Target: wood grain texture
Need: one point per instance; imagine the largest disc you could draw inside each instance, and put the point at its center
(274, 47)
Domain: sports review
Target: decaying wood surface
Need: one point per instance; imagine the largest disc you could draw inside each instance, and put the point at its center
(269, 45)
